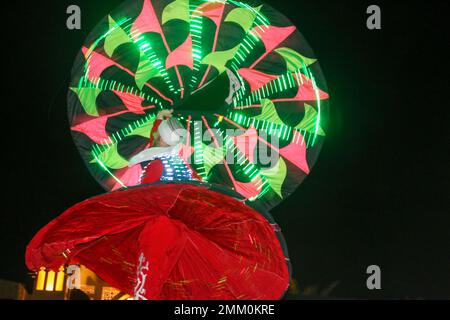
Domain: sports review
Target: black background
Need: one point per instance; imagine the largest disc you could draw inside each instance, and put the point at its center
(378, 194)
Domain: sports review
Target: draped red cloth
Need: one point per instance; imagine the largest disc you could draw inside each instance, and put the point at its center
(168, 241)
(152, 132)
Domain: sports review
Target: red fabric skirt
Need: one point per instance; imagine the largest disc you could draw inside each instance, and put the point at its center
(168, 241)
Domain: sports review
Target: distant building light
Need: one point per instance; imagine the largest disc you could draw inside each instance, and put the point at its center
(61, 283)
(50, 280)
(50, 284)
(40, 282)
(60, 279)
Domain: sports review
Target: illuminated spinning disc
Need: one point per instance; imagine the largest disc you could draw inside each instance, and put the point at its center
(222, 65)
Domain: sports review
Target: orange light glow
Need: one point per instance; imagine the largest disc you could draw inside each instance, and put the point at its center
(60, 279)
(40, 279)
(49, 286)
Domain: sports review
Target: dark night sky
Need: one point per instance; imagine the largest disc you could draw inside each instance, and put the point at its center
(379, 191)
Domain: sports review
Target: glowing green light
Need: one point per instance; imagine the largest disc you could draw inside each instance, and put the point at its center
(107, 170)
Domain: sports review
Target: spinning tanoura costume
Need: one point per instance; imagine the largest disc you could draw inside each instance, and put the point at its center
(188, 220)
